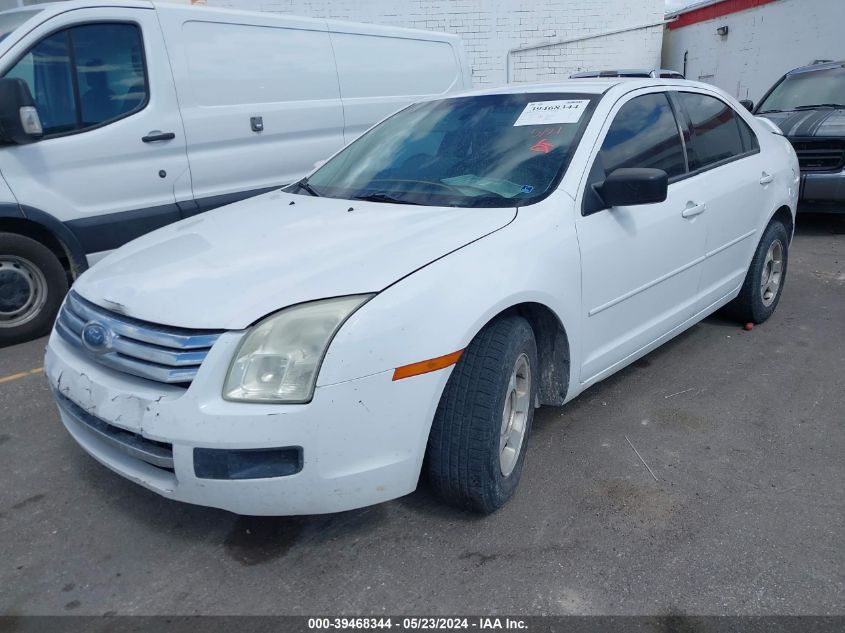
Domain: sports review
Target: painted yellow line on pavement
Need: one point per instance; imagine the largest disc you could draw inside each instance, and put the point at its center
(22, 374)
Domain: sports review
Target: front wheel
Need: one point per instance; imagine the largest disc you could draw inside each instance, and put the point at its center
(479, 436)
(32, 285)
(765, 279)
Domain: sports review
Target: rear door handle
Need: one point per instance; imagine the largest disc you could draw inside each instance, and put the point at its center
(693, 210)
(766, 179)
(155, 135)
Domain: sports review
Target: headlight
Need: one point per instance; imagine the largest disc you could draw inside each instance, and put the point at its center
(278, 359)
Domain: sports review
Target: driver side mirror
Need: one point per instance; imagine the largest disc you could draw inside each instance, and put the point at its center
(631, 186)
(19, 120)
(748, 104)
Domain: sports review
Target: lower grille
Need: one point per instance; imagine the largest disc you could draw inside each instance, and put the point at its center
(156, 352)
(158, 454)
(817, 154)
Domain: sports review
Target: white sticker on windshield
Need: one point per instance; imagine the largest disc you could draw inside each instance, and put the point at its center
(550, 112)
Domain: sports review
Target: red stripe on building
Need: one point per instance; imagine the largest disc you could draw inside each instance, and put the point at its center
(726, 7)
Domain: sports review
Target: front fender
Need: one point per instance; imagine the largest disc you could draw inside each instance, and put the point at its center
(440, 308)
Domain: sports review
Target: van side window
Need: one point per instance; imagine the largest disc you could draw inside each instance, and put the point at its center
(47, 71)
(716, 134)
(85, 76)
(644, 134)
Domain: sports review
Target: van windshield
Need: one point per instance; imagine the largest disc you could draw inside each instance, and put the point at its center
(480, 151)
(10, 20)
(807, 89)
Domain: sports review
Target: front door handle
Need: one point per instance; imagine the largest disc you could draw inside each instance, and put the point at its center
(766, 179)
(693, 210)
(155, 135)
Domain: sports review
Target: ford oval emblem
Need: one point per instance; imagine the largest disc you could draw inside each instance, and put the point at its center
(96, 337)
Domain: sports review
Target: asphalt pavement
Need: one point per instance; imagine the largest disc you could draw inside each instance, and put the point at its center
(744, 431)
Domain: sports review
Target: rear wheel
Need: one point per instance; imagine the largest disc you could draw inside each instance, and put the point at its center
(32, 285)
(479, 436)
(764, 281)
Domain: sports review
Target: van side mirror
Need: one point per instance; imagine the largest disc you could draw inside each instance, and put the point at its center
(19, 121)
(631, 186)
(748, 104)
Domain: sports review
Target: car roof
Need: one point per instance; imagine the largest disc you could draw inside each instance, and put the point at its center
(642, 72)
(590, 86)
(816, 67)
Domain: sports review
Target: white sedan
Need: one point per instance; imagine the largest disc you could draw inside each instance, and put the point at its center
(403, 311)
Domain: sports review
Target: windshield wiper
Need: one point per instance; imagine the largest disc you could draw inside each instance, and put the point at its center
(820, 105)
(382, 197)
(303, 184)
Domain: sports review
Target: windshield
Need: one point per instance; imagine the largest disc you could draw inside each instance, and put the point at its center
(819, 87)
(480, 151)
(10, 20)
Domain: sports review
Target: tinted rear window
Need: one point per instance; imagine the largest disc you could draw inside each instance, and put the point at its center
(716, 131)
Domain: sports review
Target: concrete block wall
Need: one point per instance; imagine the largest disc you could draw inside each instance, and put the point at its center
(761, 45)
(490, 28)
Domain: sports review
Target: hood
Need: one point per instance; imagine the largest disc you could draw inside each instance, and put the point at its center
(821, 122)
(229, 267)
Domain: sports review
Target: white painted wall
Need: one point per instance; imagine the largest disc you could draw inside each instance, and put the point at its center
(489, 28)
(762, 44)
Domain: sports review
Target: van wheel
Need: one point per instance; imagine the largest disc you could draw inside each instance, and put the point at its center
(479, 436)
(764, 281)
(32, 285)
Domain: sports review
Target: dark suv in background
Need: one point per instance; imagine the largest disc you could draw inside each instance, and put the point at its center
(808, 105)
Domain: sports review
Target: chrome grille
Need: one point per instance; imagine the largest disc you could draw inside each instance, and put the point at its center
(819, 154)
(156, 352)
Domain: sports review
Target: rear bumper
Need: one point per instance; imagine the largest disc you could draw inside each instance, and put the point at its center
(822, 192)
(360, 442)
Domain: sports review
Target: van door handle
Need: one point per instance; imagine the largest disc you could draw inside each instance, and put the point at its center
(155, 135)
(766, 179)
(693, 210)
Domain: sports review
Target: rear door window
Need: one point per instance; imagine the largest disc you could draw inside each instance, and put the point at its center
(718, 132)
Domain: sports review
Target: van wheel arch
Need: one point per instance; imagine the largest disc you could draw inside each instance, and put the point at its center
(52, 234)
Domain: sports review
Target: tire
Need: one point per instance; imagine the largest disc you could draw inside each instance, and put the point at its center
(465, 463)
(760, 295)
(32, 286)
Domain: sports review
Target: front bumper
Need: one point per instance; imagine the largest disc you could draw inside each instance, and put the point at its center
(362, 441)
(822, 192)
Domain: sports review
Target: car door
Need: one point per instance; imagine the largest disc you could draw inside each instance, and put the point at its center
(111, 164)
(725, 159)
(640, 265)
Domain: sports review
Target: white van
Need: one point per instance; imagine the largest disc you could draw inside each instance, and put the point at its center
(118, 118)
